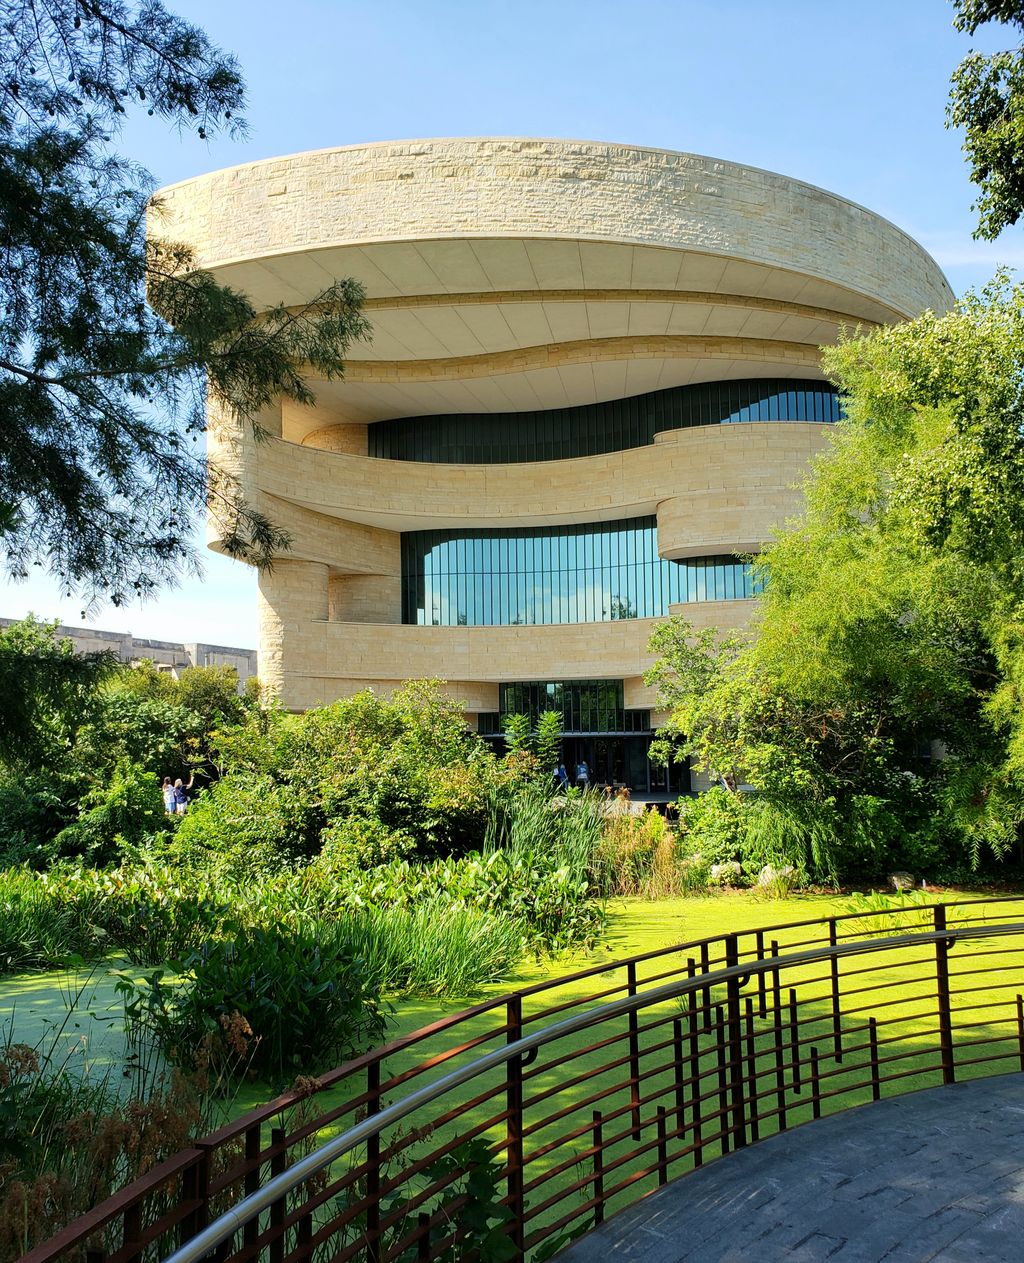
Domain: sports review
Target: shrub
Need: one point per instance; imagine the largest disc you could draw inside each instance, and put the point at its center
(119, 812)
(359, 842)
(714, 825)
(298, 1002)
(247, 823)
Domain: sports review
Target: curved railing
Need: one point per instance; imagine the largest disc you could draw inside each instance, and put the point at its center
(570, 1107)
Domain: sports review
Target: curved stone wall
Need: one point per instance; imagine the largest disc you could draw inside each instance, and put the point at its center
(524, 276)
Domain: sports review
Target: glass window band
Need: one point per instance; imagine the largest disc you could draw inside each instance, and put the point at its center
(593, 573)
(488, 438)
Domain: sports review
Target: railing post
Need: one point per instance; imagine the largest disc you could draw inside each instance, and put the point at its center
(253, 1137)
(373, 1164)
(677, 1070)
(1020, 1029)
(755, 1134)
(778, 1041)
(695, 1083)
(762, 978)
(514, 1129)
(815, 1086)
(195, 1186)
(278, 1165)
(634, 1052)
(876, 1077)
(794, 1040)
(132, 1227)
(723, 1082)
(942, 981)
(662, 1147)
(705, 968)
(736, 1075)
(598, 1169)
(837, 1026)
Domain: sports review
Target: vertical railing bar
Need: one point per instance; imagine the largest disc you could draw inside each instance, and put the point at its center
(942, 980)
(304, 1238)
(779, 1042)
(876, 1077)
(755, 1133)
(253, 1136)
(634, 1052)
(705, 968)
(677, 1068)
(514, 1130)
(794, 1041)
(423, 1240)
(131, 1222)
(736, 1072)
(815, 1086)
(723, 1082)
(598, 1168)
(1020, 1029)
(278, 1165)
(662, 1147)
(695, 1077)
(762, 980)
(837, 1025)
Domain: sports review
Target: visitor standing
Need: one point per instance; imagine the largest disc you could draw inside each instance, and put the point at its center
(167, 789)
(181, 795)
(582, 774)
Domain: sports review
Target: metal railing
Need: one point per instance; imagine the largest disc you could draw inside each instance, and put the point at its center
(572, 1106)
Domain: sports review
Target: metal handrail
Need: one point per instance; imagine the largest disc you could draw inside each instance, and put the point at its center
(278, 1187)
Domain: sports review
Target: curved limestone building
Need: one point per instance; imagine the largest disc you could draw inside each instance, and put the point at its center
(593, 382)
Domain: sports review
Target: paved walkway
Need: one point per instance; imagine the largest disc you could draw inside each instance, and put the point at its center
(933, 1175)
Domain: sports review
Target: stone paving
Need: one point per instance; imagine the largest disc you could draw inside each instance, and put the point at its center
(937, 1174)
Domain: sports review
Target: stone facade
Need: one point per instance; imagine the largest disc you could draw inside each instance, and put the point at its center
(507, 276)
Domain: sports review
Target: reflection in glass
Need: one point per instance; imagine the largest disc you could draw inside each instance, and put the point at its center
(589, 429)
(595, 573)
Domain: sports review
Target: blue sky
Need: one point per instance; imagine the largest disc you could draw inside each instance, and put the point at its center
(849, 97)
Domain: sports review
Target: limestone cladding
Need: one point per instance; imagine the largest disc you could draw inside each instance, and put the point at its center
(516, 275)
(530, 188)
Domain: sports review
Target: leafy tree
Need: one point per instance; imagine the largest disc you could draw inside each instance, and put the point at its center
(48, 691)
(893, 616)
(549, 740)
(104, 399)
(987, 100)
(407, 763)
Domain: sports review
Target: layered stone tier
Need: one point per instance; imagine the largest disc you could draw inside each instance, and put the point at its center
(512, 276)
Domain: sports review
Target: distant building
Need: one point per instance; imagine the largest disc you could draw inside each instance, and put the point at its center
(167, 655)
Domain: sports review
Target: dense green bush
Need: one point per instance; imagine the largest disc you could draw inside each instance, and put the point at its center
(117, 813)
(247, 823)
(296, 1001)
(714, 825)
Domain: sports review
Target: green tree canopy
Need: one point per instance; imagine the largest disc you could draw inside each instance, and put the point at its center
(893, 616)
(103, 398)
(987, 101)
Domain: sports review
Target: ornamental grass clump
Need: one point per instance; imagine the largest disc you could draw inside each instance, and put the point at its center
(637, 855)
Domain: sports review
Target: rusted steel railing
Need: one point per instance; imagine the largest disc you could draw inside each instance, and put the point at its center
(580, 1104)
